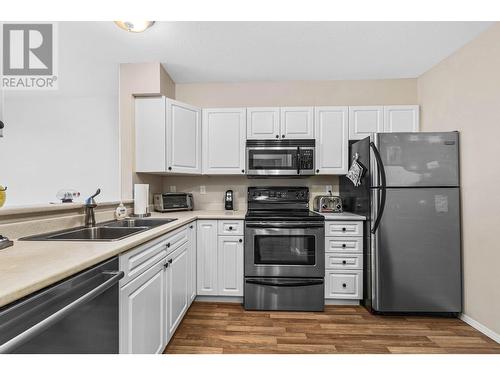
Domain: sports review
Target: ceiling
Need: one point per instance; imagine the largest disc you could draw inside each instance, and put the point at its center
(274, 51)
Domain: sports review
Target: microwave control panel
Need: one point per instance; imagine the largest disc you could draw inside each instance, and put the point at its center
(307, 159)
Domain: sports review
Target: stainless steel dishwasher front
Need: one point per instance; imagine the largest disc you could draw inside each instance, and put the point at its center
(76, 315)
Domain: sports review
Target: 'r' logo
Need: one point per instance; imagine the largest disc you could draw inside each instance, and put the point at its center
(28, 49)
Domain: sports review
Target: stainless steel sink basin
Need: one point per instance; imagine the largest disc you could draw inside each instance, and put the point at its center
(110, 231)
(129, 223)
(97, 234)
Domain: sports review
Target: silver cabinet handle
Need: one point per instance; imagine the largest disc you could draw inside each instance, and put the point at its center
(20, 339)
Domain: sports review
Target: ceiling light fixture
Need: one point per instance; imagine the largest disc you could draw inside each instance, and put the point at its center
(135, 26)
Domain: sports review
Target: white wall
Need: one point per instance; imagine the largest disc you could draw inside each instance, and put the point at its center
(67, 138)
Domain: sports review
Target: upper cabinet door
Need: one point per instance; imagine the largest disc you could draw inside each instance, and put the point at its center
(332, 143)
(401, 118)
(263, 123)
(150, 135)
(297, 122)
(224, 132)
(365, 121)
(183, 137)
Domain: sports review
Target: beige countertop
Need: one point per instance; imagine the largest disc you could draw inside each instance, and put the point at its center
(29, 266)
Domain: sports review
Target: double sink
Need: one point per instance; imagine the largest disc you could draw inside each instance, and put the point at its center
(108, 231)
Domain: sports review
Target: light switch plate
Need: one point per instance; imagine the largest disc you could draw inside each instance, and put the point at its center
(203, 189)
(173, 188)
(329, 189)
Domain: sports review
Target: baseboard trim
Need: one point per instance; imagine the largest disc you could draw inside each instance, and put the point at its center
(480, 327)
(219, 299)
(342, 302)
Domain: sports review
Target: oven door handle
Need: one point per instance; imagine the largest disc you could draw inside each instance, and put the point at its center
(297, 225)
(285, 283)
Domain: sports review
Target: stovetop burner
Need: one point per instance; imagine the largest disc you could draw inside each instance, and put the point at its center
(280, 203)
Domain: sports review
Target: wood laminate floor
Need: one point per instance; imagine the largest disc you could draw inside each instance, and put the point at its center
(228, 328)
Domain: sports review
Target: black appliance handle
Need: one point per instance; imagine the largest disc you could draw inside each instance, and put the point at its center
(382, 188)
(285, 282)
(319, 224)
(298, 160)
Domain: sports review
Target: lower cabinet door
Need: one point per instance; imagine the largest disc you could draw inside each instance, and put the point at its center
(142, 313)
(192, 263)
(206, 258)
(344, 284)
(177, 288)
(230, 265)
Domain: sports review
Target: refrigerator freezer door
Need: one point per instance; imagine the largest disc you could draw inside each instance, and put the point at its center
(420, 159)
(417, 258)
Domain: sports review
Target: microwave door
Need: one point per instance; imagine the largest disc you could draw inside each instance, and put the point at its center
(272, 161)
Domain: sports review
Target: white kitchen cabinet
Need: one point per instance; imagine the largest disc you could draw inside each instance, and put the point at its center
(150, 135)
(177, 281)
(183, 137)
(142, 312)
(401, 118)
(224, 136)
(192, 262)
(206, 257)
(365, 121)
(297, 122)
(263, 123)
(230, 266)
(344, 259)
(344, 284)
(167, 136)
(332, 140)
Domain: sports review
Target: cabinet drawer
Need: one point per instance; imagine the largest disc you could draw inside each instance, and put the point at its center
(230, 227)
(344, 244)
(176, 239)
(133, 263)
(339, 261)
(344, 284)
(343, 228)
(136, 261)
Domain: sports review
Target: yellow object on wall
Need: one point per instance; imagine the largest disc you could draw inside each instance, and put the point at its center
(3, 195)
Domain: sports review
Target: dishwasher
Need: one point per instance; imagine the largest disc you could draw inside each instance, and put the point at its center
(75, 316)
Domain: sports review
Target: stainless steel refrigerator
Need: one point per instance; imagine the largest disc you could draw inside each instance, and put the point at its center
(410, 194)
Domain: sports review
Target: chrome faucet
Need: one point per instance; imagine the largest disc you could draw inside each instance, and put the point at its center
(90, 204)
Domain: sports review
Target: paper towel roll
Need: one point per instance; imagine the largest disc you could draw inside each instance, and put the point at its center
(141, 198)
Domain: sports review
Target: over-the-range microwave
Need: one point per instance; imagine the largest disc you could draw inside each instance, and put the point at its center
(291, 157)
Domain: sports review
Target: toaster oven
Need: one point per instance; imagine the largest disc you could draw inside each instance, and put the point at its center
(173, 202)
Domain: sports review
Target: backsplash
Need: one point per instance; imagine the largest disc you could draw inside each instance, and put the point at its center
(216, 186)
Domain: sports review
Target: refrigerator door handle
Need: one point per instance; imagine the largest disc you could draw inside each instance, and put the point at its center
(382, 187)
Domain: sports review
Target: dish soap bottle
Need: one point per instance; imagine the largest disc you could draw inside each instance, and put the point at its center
(121, 212)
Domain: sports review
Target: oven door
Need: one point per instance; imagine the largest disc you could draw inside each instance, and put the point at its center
(284, 249)
(274, 161)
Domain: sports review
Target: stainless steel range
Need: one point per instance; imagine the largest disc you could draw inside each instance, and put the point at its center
(284, 251)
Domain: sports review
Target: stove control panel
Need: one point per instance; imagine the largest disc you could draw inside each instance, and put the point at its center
(278, 194)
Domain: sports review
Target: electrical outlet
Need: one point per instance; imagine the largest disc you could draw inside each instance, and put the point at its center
(203, 189)
(173, 188)
(328, 189)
